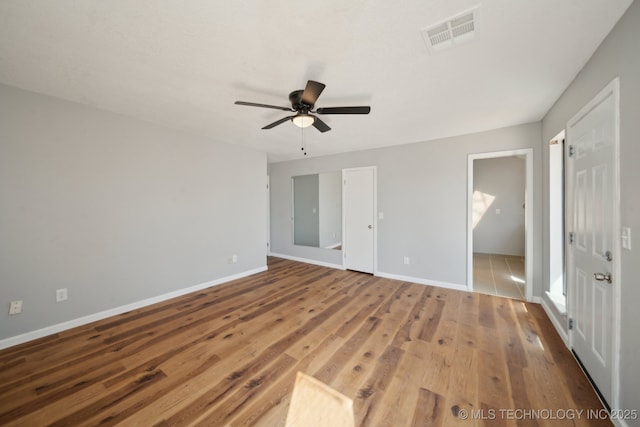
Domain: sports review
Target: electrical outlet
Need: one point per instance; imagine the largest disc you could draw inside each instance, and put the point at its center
(61, 295)
(406, 260)
(15, 307)
(234, 259)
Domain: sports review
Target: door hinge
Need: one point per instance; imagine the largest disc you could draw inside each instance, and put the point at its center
(572, 150)
(570, 324)
(572, 237)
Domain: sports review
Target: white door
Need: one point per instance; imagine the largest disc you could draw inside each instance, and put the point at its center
(592, 245)
(359, 218)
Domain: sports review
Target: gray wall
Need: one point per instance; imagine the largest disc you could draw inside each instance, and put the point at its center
(422, 192)
(116, 210)
(618, 55)
(503, 178)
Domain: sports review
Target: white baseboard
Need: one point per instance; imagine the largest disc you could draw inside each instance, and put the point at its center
(54, 329)
(537, 300)
(555, 322)
(380, 274)
(421, 281)
(308, 261)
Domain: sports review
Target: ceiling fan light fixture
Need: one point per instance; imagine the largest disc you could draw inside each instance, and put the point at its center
(302, 103)
(303, 120)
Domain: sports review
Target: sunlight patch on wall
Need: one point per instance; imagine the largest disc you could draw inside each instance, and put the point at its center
(481, 204)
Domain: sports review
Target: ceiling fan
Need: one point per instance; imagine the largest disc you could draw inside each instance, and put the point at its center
(302, 103)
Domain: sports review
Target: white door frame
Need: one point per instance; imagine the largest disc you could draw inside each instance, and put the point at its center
(345, 243)
(613, 89)
(528, 214)
(557, 213)
(268, 215)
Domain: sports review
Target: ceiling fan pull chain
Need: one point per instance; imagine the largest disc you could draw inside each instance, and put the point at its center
(302, 144)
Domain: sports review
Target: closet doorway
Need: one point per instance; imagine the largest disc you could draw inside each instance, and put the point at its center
(499, 214)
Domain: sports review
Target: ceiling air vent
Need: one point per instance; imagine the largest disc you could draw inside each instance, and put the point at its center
(451, 32)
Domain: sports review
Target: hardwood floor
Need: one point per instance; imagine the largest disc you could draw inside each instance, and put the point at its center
(408, 354)
(501, 275)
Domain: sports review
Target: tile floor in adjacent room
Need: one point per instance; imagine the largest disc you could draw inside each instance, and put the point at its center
(501, 275)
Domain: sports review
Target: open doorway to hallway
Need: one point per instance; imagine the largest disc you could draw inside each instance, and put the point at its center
(499, 189)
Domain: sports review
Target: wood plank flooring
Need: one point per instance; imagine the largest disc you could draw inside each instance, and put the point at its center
(501, 275)
(407, 354)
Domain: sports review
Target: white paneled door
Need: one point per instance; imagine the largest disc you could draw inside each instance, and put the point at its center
(592, 245)
(359, 218)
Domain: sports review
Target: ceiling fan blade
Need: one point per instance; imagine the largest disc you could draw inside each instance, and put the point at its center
(277, 122)
(344, 110)
(320, 125)
(253, 104)
(312, 92)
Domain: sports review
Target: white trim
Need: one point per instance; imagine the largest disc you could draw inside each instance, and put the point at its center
(421, 281)
(529, 226)
(619, 423)
(268, 214)
(556, 230)
(375, 219)
(556, 323)
(292, 224)
(613, 89)
(537, 300)
(54, 329)
(308, 261)
(559, 301)
(617, 242)
(337, 245)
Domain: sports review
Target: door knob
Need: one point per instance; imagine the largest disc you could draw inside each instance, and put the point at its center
(601, 277)
(370, 227)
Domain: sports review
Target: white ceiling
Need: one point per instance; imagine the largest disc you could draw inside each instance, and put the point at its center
(182, 64)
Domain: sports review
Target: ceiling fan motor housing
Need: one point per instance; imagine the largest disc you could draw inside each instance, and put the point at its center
(295, 98)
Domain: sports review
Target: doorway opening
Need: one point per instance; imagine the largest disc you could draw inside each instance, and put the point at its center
(499, 233)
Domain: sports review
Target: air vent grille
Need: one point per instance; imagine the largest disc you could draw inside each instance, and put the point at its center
(462, 25)
(458, 29)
